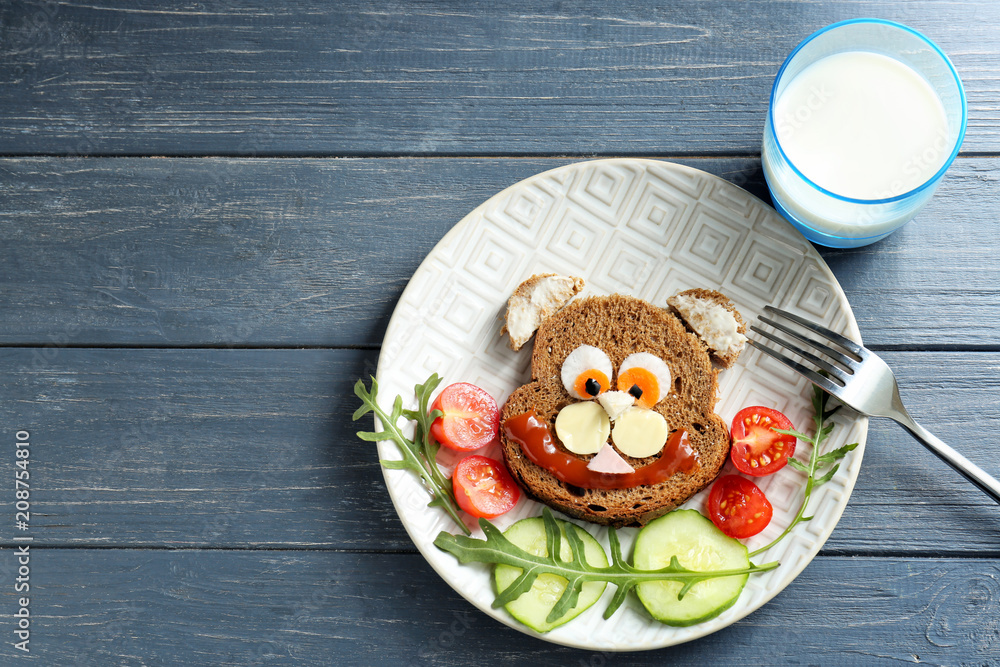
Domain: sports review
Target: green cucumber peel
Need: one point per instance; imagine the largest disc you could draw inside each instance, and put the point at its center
(419, 454)
(497, 549)
(820, 468)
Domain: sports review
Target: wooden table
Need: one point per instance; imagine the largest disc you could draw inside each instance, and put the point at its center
(208, 212)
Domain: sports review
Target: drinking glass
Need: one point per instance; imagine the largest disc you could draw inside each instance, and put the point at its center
(826, 217)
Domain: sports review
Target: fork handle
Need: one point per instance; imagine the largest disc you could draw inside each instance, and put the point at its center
(986, 483)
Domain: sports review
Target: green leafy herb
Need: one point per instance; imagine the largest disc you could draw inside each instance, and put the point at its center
(419, 454)
(821, 467)
(496, 548)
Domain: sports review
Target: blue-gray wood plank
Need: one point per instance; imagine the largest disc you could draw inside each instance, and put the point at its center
(256, 449)
(306, 252)
(431, 78)
(198, 504)
(140, 607)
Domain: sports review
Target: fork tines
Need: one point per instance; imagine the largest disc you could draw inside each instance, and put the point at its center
(838, 365)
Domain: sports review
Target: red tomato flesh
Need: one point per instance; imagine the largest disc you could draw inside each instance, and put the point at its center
(483, 487)
(471, 418)
(738, 507)
(758, 450)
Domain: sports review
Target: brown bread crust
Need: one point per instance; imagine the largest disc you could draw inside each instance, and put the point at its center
(621, 325)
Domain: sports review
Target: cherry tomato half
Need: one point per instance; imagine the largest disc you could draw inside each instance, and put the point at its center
(738, 507)
(483, 487)
(471, 418)
(758, 450)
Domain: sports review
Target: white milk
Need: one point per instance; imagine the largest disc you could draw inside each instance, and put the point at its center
(862, 125)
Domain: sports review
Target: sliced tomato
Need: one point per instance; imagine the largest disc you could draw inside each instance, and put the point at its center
(483, 487)
(757, 449)
(471, 418)
(738, 507)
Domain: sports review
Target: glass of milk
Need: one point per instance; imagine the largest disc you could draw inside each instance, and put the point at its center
(864, 119)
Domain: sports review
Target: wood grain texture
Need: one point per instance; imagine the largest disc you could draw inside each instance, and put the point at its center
(256, 449)
(431, 78)
(293, 252)
(198, 493)
(136, 607)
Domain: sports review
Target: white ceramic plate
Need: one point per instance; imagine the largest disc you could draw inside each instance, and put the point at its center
(640, 227)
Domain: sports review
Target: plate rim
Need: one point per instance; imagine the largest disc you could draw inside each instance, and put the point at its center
(792, 570)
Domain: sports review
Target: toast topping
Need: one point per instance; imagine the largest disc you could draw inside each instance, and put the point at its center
(640, 432)
(535, 439)
(586, 372)
(646, 377)
(583, 428)
(615, 403)
(714, 323)
(609, 461)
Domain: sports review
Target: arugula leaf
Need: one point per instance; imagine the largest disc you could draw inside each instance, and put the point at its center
(496, 548)
(419, 454)
(814, 469)
(798, 465)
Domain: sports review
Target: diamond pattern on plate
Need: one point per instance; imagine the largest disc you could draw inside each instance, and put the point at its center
(773, 228)
(674, 280)
(494, 259)
(659, 212)
(604, 190)
(523, 213)
(736, 203)
(710, 243)
(764, 270)
(578, 238)
(556, 181)
(813, 294)
(624, 267)
(641, 227)
(689, 183)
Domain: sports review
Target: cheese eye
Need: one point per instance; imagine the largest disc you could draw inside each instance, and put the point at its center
(586, 372)
(646, 377)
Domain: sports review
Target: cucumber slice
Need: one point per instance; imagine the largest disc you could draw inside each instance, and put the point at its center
(698, 545)
(533, 606)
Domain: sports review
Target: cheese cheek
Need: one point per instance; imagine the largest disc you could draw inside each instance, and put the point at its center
(639, 432)
(583, 428)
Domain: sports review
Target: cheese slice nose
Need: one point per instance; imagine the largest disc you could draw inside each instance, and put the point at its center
(615, 403)
(639, 432)
(583, 428)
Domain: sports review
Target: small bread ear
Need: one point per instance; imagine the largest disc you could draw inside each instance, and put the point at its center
(712, 316)
(535, 300)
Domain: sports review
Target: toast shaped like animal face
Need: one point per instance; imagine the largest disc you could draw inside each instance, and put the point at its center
(621, 381)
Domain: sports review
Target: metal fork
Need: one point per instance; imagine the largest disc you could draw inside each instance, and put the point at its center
(863, 382)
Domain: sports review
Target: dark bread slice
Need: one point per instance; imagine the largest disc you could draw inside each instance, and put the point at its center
(621, 325)
(725, 358)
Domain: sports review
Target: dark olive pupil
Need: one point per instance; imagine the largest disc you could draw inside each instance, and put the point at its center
(593, 387)
(635, 391)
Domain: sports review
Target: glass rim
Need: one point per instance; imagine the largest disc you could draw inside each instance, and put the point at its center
(887, 200)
